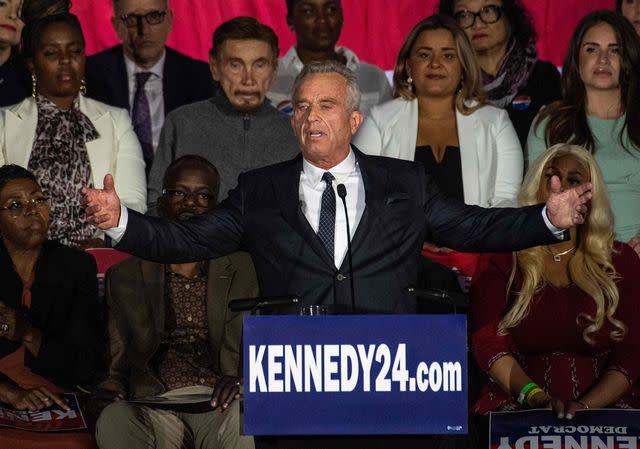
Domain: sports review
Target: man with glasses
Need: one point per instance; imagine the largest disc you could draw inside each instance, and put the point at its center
(169, 328)
(142, 74)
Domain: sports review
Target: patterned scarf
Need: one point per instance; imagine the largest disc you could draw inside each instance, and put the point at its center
(60, 162)
(512, 75)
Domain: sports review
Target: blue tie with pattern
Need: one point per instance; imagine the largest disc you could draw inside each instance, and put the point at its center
(327, 226)
(141, 116)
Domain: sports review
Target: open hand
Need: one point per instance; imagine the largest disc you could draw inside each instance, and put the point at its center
(225, 391)
(102, 206)
(567, 208)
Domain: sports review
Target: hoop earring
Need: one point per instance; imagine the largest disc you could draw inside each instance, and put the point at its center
(83, 87)
(34, 85)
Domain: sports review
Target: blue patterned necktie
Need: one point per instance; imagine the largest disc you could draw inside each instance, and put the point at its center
(327, 226)
(141, 116)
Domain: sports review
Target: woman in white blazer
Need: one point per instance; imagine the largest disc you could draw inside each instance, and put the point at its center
(439, 109)
(65, 138)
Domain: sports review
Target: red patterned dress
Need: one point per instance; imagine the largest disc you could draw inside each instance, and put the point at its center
(548, 342)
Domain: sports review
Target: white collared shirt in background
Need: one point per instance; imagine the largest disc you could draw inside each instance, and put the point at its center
(154, 91)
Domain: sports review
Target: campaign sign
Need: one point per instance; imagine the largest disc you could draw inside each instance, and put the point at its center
(588, 429)
(51, 419)
(352, 374)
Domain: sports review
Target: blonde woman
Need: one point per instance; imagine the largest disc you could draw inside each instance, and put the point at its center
(439, 119)
(557, 325)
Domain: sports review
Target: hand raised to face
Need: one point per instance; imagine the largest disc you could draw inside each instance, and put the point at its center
(566, 208)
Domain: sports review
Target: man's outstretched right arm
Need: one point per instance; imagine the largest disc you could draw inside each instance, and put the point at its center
(206, 236)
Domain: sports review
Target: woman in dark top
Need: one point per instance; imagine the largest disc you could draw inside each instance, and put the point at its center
(503, 38)
(49, 316)
(13, 74)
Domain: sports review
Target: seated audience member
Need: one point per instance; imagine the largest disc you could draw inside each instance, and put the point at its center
(142, 74)
(557, 325)
(503, 36)
(13, 76)
(439, 119)
(600, 111)
(65, 139)
(169, 327)
(49, 314)
(236, 128)
(631, 10)
(317, 24)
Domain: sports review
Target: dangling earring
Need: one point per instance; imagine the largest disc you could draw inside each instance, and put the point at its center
(34, 85)
(83, 87)
(409, 80)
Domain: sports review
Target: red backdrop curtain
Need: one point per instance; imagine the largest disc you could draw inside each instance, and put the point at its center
(374, 29)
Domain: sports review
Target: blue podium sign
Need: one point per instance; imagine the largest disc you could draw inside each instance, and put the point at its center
(355, 374)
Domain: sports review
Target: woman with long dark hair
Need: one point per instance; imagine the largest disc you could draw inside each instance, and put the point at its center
(600, 110)
(503, 37)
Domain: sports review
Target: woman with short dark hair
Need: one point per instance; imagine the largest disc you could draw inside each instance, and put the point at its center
(69, 141)
(503, 36)
(49, 315)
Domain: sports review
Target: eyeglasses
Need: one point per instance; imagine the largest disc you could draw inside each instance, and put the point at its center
(135, 20)
(488, 14)
(16, 207)
(202, 199)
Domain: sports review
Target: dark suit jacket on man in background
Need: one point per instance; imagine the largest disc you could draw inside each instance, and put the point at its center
(403, 209)
(136, 321)
(185, 80)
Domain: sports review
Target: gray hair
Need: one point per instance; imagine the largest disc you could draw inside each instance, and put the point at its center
(329, 66)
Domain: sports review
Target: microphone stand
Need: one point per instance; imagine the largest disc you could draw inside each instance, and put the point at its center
(342, 193)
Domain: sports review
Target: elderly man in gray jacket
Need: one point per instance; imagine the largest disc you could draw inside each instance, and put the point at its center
(238, 128)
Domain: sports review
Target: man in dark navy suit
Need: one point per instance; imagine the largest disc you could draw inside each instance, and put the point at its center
(142, 74)
(289, 218)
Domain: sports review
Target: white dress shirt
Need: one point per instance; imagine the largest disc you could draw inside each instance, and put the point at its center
(310, 191)
(154, 91)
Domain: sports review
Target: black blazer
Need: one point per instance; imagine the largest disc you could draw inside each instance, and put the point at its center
(185, 81)
(403, 207)
(64, 307)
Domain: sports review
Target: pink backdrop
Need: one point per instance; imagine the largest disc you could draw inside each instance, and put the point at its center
(372, 28)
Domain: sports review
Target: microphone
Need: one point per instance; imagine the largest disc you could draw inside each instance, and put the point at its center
(441, 296)
(342, 193)
(260, 303)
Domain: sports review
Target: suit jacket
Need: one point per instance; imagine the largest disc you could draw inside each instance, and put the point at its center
(116, 151)
(263, 216)
(136, 302)
(185, 80)
(490, 152)
(64, 306)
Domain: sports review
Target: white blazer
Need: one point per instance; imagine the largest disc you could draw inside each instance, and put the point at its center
(116, 151)
(492, 160)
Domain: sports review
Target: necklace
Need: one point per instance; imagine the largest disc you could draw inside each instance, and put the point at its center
(557, 256)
